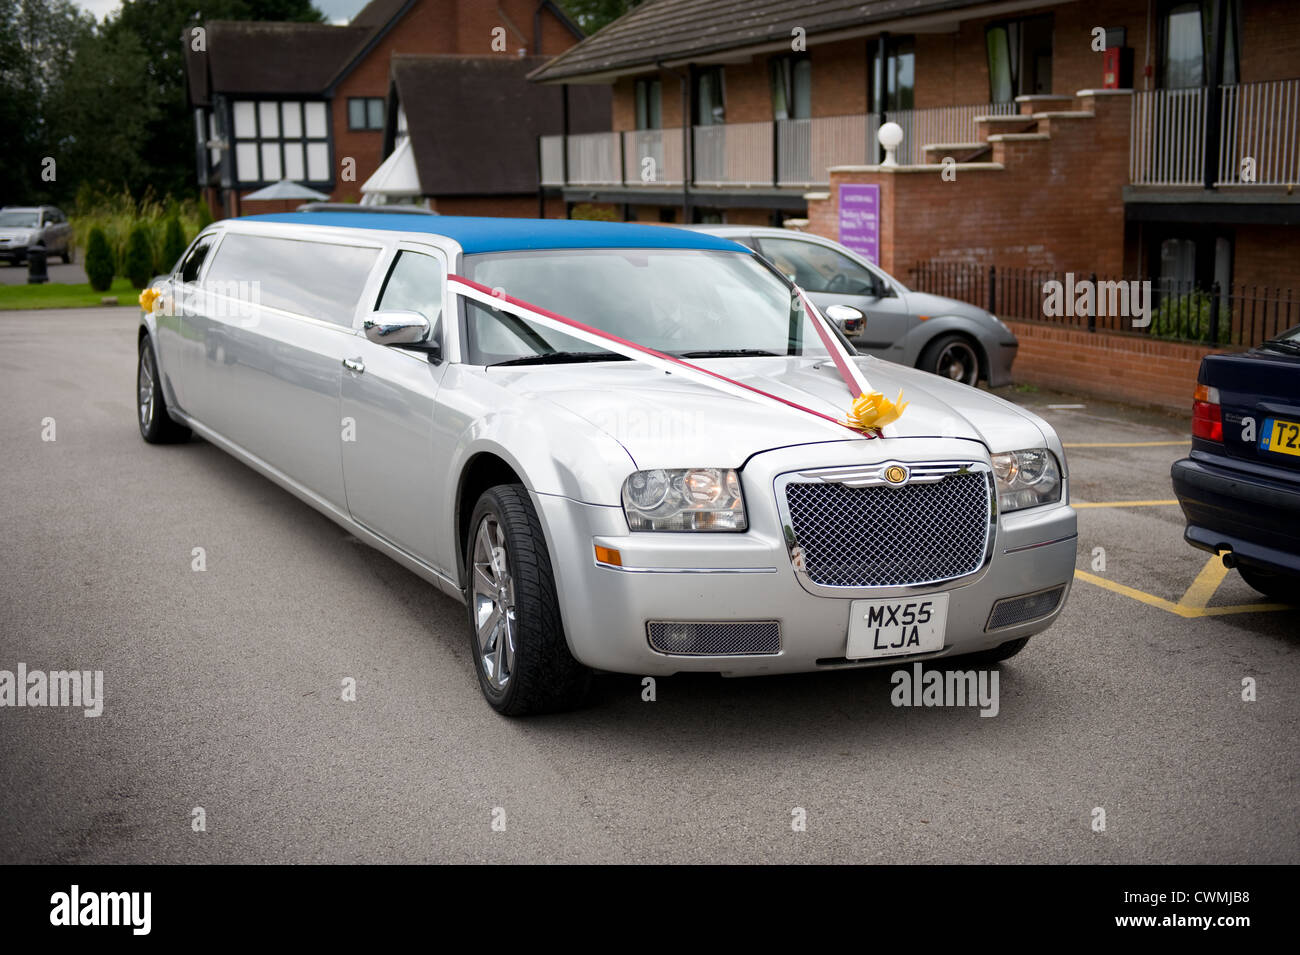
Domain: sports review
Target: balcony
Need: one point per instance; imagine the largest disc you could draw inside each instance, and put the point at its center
(787, 154)
(1257, 136)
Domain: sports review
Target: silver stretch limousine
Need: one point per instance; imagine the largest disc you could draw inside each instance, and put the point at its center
(625, 448)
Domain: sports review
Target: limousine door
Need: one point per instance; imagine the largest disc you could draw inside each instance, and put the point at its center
(388, 405)
(277, 324)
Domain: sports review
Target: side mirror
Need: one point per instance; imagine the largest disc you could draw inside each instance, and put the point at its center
(849, 319)
(397, 328)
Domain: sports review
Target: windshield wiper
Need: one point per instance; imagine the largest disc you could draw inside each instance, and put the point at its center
(1286, 346)
(561, 357)
(726, 353)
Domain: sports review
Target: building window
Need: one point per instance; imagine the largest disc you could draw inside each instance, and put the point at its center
(893, 79)
(1185, 44)
(1019, 58)
(281, 140)
(791, 87)
(1190, 258)
(649, 104)
(710, 101)
(365, 112)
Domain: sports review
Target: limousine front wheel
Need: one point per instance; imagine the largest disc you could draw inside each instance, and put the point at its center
(523, 661)
(156, 426)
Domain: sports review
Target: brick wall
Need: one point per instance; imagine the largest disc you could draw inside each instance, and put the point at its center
(1124, 368)
(1270, 39)
(1055, 203)
(508, 206)
(839, 78)
(1266, 257)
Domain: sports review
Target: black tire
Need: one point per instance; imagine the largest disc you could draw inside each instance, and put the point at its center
(542, 676)
(954, 357)
(1281, 587)
(156, 426)
(68, 254)
(996, 655)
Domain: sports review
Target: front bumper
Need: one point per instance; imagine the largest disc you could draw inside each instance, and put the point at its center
(1254, 515)
(13, 252)
(1001, 355)
(723, 577)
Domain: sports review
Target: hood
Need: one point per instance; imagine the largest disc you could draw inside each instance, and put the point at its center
(666, 420)
(22, 234)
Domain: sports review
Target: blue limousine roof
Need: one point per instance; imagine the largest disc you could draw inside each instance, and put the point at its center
(484, 234)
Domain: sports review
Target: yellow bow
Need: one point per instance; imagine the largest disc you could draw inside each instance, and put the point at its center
(148, 297)
(873, 411)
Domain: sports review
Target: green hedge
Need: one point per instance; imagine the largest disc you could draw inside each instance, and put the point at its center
(99, 261)
(118, 215)
(1187, 317)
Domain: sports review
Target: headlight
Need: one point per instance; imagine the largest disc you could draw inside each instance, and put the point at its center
(1026, 479)
(684, 499)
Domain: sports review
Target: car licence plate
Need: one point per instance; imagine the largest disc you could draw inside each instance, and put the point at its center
(894, 626)
(1281, 437)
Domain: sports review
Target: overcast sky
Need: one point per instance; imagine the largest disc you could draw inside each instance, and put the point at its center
(334, 10)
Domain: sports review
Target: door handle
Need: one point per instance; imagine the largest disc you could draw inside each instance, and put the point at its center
(354, 364)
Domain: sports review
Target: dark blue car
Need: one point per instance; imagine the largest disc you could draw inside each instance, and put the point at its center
(1240, 486)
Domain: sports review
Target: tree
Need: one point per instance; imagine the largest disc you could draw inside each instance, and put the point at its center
(139, 257)
(99, 261)
(173, 246)
(100, 114)
(37, 38)
(166, 141)
(593, 15)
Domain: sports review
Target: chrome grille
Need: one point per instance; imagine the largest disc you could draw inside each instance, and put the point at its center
(687, 638)
(884, 536)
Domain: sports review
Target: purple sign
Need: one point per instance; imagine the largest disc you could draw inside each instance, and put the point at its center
(860, 220)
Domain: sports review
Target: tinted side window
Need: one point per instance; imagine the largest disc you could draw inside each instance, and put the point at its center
(414, 284)
(193, 262)
(317, 279)
(818, 269)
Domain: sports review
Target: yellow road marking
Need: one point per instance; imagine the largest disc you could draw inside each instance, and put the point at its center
(1127, 444)
(1193, 602)
(1123, 503)
(1206, 583)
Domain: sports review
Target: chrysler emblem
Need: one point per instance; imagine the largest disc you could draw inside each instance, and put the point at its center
(896, 474)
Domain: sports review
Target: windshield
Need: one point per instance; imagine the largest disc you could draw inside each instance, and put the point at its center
(21, 220)
(684, 302)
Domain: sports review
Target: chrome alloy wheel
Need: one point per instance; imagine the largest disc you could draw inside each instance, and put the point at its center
(493, 593)
(959, 362)
(144, 387)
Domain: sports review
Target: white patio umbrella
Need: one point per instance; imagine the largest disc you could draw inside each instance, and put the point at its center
(286, 189)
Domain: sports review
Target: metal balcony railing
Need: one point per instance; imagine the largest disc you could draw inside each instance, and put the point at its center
(733, 154)
(653, 157)
(941, 124)
(1258, 132)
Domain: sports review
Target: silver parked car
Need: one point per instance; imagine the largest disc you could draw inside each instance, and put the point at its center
(623, 448)
(22, 227)
(940, 335)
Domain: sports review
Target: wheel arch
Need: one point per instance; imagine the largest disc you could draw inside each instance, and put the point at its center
(937, 328)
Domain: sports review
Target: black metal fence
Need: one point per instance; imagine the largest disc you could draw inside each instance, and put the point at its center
(1233, 315)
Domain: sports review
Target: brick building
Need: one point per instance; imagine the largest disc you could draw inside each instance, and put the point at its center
(1152, 138)
(318, 103)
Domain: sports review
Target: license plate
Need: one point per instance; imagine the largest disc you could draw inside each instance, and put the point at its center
(1281, 437)
(894, 626)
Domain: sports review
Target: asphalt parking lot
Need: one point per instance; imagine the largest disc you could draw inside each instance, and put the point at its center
(222, 687)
